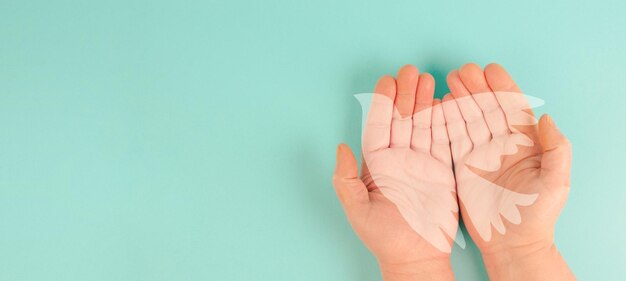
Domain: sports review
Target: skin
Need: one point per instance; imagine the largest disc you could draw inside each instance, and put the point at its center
(401, 252)
(526, 251)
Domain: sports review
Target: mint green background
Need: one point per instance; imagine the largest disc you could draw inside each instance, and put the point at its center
(156, 140)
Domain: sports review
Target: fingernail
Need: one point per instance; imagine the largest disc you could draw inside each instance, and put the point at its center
(549, 120)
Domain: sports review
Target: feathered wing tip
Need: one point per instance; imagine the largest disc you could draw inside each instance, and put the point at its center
(494, 201)
(488, 157)
(440, 225)
(460, 238)
(486, 203)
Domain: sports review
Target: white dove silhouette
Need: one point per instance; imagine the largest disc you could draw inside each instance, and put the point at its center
(485, 201)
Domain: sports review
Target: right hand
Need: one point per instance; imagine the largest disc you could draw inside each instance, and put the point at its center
(512, 174)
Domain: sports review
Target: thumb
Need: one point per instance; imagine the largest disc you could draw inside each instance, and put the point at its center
(349, 187)
(557, 151)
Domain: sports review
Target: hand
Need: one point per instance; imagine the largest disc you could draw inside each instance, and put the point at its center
(507, 167)
(404, 205)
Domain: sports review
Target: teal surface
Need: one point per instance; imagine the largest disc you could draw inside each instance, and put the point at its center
(195, 140)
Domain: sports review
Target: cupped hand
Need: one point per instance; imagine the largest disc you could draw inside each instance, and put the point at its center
(403, 206)
(512, 171)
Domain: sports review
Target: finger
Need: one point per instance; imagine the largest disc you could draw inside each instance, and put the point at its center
(515, 106)
(507, 92)
(500, 80)
(460, 142)
(401, 123)
(440, 148)
(349, 187)
(557, 152)
(421, 137)
(474, 80)
(408, 77)
(377, 131)
(476, 126)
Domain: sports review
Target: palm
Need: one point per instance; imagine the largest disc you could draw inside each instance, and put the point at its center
(408, 168)
(408, 190)
(387, 234)
(500, 167)
(408, 209)
(506, 168)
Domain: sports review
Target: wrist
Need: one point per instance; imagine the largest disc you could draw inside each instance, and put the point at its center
(540, 261)
(435, 269)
